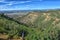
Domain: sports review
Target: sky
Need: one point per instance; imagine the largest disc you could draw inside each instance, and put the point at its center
(29, 4)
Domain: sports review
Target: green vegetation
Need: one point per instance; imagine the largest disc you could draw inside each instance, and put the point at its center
(45, 27)
(9, 27)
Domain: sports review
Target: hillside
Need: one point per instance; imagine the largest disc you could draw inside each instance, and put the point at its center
(38, 18)
(9, 28)
(46, 21)
(43, 25)
(30, 18)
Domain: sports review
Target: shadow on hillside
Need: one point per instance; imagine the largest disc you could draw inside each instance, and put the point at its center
(5, 16)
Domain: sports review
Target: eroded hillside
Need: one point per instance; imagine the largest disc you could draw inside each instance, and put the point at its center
(38, 18)
(30, 18)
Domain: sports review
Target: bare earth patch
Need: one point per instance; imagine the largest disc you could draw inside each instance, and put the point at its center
(30, 18)
(56, 21)
(4, 37)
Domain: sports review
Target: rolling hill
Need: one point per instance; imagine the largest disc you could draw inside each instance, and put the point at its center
(44, 25)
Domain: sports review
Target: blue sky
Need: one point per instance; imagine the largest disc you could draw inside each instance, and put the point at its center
(29, 4)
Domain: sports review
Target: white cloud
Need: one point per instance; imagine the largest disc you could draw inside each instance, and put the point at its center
(5, 7)
(27, 5)
(2, 0)
(41, 0)
(28, 1)
(9, 4)
(14, 2)
(21, 2)
(2, 7)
